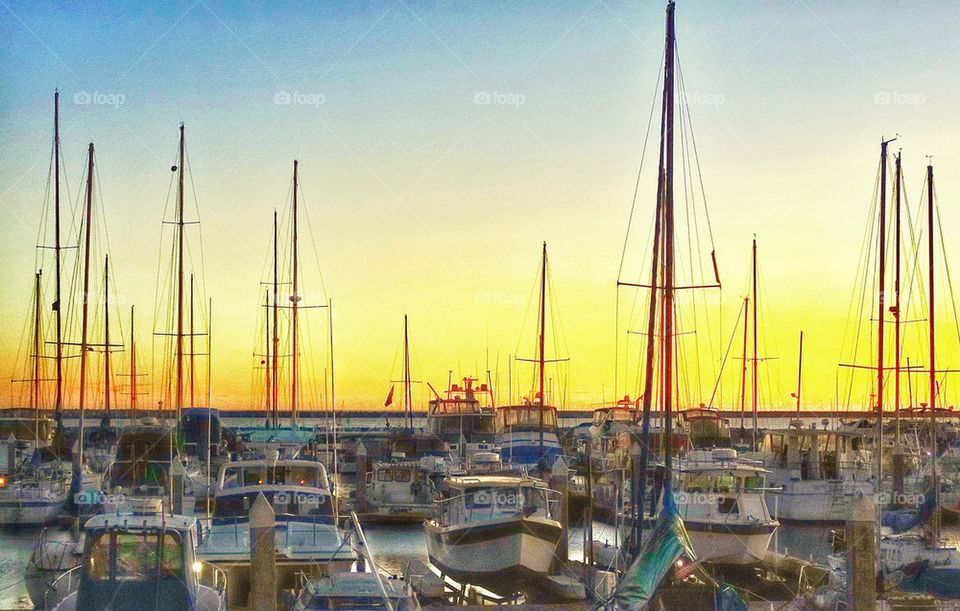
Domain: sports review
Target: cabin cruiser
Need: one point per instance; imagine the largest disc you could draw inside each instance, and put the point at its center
(819, 471)
(138, 560)
(724, 509)
(499, 532)
(403, 490)
(706, 428)
(462, 420)
(613, 433)
(307, 538)
(528, 434)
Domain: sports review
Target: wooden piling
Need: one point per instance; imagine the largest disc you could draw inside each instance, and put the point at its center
(177, 474)
(861, 555)
(361, 478)
(263, 566)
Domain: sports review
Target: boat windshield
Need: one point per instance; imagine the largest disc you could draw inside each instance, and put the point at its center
(484, 503)
(526, 416)
(287, 504)
(275, 475)
(726, 482)
(122, 569)
(135, 556)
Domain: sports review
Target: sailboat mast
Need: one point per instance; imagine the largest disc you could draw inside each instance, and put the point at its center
(275, 365)
(543, 332)
(896, 303)
(881, 278)
(743, 374)
(800, 373)
(193, 353)
(58, 403)
(935, 520)
(407, 394)
(755, 359)
(180, 225)
(295, 298)
(84, 314)
(668, 290)
(35, 381)
(133, 366)
(267, 392)
(106, 340)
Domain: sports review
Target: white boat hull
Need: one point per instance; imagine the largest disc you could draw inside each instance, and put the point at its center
(716, 543)
(501, 555)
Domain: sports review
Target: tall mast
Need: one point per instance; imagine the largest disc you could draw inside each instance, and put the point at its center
(640, 473)
(84, 314)
(881, 279)
(407, 393)
(133, 365)
(58, 403)
(800, 373)
(896, 304)
(106, 341)
(743, 374)
(935, 520)
(543, 332)
(193, 370)
(35, 378)
(295, 298)
(668, 290)
(755, 361)
(275, 365)
(268, 390)
(180, 224)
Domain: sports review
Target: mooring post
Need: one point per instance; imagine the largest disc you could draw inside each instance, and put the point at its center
(263, 566)
(177, 473)
(560, 481)
(361, 478)
(861, 555)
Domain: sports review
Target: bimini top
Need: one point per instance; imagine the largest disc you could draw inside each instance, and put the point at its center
(494, 481)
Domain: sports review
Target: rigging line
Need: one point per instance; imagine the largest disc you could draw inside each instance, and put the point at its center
(643, 153)
(863, 261)
(696, 156)
(313, 242)
(203, 265)
(943, 249)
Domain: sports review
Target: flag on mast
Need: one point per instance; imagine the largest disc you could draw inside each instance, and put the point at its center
(389, 396)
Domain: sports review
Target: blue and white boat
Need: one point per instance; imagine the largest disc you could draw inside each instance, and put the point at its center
(306, 535)
(528, 434)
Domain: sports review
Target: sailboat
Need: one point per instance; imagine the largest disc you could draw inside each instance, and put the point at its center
(528, 433)
(272, 438)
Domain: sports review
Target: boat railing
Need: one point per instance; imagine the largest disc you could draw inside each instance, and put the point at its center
(211, 576)
(63, 586)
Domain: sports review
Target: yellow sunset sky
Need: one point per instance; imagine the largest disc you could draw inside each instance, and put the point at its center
(440, 144)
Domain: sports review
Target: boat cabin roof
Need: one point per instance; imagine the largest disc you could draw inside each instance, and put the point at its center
(141, 521)
(494, 481)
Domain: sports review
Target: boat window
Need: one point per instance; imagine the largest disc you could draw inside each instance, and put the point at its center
(697, 482)
(285, 503)
(728, 505)
(753, 482)
(393, 475)
(136, 556)
(725, 483)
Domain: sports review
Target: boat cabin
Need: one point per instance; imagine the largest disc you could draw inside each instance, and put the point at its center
(143, 457)
(818, 454)
(492, 497)
(298, 490)
(526, 417)
(130, 559)
(706, 427)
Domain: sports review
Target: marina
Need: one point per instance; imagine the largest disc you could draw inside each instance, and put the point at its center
(150, 468)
